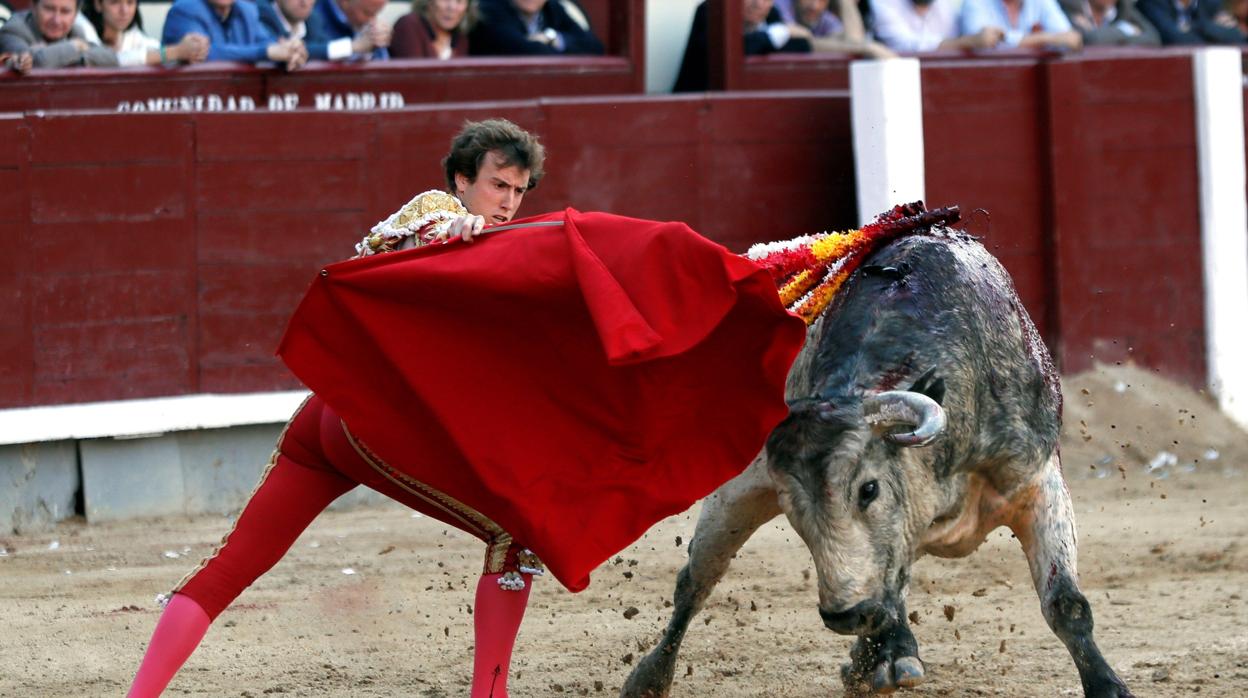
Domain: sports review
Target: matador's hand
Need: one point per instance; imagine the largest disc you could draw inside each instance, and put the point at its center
(464, 227)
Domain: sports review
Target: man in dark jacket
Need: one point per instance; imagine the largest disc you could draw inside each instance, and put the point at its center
(1110, 23)
(764, 32)
(532, 28)
(1188, 22)
(350, 29)
(293, 19)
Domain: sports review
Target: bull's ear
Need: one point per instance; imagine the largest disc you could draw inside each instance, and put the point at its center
(930, 385)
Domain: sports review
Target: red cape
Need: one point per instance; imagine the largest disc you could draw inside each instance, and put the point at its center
(575, 384)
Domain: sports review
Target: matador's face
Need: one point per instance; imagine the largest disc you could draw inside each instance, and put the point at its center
(497, 190)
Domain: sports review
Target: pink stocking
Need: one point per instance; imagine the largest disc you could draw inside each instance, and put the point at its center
(496, 621)
(177, 634)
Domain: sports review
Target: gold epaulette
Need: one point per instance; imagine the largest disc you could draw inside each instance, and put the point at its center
(422, 218)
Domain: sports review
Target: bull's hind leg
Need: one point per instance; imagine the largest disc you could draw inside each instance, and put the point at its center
(730, 515)
(1046, 529)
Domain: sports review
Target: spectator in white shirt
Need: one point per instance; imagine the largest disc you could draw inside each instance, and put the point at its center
(915, 26)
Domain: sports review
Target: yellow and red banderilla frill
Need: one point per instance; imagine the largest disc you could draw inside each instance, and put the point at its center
(810, 269)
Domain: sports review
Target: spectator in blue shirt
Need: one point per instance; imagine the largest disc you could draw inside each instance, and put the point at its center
(234, 32)
(1023, 23)
(350, 29)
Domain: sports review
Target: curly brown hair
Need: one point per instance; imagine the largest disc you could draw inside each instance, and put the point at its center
(518, 148)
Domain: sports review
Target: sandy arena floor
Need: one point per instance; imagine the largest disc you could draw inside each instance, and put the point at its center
(1162, 554)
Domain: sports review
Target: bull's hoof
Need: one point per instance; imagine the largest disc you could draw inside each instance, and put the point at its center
(906, 672)
(883, 664)
(651, 678)
(1107, 686)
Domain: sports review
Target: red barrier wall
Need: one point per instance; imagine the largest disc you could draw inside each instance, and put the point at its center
(795, 72)
(392, 84)
(1127, 212)
(160, 254)
(985, 127)
(98, 88)
(16, 337)
(1088, 166)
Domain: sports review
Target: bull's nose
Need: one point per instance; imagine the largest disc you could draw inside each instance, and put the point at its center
(855, 620)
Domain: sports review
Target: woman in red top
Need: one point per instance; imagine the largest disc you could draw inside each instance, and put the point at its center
(434, 29)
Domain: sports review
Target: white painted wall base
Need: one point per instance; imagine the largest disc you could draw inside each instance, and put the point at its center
(1219, 91)
(153, 416)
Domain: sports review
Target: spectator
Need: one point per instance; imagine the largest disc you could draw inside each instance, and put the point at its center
(1234, 14)
(47, 32)
(533, 28)
(118, 25)
(764, 32)
(1110, 23)
(234, 32)
(1035, 23)
(350, 29)
(841, 32)
(288, 19)
(1189, 22)
(914, 26)
(434, 29)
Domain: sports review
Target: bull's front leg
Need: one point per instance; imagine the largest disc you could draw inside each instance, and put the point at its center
(730, 515)
(1046, 529)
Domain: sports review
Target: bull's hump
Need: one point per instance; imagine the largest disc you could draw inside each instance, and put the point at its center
(889, 324)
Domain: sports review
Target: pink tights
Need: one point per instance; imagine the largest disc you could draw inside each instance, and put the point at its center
(495, 623)
(496, 620)
(178, 633)
(315, 464)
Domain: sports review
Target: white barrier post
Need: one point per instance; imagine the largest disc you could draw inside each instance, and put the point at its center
(1219, 93)
(887, 117)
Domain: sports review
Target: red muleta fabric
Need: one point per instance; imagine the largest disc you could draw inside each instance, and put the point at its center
(574, 384)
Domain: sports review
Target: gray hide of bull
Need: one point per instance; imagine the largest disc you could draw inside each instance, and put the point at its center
(925, 413)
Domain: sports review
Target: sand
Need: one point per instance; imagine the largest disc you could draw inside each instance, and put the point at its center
(378, 603)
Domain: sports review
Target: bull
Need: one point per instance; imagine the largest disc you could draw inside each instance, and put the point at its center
(925, 413)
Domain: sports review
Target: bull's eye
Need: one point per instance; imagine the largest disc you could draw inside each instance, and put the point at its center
(867, 493)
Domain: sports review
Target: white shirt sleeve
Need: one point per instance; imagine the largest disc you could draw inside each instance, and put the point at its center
(339, 49)
(134, 47)
(779, 35)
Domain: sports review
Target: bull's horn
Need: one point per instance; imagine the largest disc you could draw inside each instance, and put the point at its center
(902, 407)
